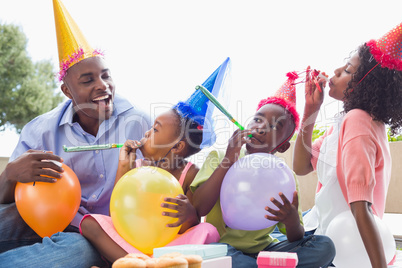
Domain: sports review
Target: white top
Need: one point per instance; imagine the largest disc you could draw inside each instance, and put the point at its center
(329, 201)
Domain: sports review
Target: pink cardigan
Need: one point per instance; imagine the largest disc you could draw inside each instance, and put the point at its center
(363, 160)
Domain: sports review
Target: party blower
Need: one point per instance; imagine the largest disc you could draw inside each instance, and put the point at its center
(195, 107)
(220, 107)
(92, 147)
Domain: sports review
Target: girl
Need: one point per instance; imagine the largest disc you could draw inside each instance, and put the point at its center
(175, 135)
(352, 159)
(171, 139)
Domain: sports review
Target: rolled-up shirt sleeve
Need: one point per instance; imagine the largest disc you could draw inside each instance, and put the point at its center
(358, 166)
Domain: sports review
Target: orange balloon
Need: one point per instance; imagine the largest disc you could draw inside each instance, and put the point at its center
(49, 208)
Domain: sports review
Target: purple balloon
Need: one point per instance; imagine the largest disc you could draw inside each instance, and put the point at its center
(248, 187)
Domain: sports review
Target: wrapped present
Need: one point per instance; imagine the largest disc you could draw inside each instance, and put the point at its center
(205, 251)
(273, 259)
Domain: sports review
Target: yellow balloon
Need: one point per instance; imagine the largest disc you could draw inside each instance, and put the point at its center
(135, 207)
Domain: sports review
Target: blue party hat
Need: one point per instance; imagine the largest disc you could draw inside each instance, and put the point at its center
(200, 109)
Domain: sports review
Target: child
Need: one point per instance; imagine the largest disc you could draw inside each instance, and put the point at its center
(175, 135)
(352, 159)
(273, 125)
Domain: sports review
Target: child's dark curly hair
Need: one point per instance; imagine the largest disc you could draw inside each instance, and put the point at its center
(190, 132)
(379, 93)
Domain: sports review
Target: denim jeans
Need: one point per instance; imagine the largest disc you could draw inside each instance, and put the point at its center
(20, 246)
(313, 251)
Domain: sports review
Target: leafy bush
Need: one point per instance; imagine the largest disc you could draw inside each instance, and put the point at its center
(393, 138)
(319, 131)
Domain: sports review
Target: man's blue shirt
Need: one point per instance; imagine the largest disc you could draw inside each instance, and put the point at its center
(96, 170)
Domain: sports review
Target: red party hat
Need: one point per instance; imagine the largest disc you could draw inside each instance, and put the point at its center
(387, 50)
(288, 90)
(286, 97)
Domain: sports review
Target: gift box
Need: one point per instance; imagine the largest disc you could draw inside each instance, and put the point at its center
(221, 262)
(205, 251)
(273, 259)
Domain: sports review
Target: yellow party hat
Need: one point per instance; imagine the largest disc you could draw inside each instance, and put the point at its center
(73, 47)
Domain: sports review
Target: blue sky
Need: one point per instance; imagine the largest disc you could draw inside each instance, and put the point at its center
(159, 51)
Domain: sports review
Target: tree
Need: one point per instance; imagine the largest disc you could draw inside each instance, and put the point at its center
(27, 88)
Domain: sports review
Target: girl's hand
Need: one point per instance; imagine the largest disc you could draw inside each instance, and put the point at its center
(288, 212)
(314, 91)
(127, 158)
(238, 139)
(128, 153)
(185, 210)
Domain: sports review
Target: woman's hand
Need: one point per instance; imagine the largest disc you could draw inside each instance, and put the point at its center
(185, 211)
(314, 96)
(314, 91)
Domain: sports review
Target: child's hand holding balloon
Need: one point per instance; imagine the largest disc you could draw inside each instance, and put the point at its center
(287, 213)
(185, 210)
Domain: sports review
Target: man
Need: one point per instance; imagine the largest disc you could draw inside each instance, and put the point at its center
(92, 115)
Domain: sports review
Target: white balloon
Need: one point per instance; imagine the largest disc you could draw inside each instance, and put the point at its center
(350, 250)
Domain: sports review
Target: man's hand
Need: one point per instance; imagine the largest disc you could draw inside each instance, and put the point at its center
(33, 166)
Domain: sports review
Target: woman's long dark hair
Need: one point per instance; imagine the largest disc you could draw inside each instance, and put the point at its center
(379, 93)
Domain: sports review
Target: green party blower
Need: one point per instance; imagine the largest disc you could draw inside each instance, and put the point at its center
(92, 147)
(219, 106)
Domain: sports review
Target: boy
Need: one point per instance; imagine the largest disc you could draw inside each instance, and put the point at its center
(272, 127)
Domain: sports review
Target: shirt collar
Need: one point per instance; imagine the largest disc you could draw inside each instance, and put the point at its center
(67, 117)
